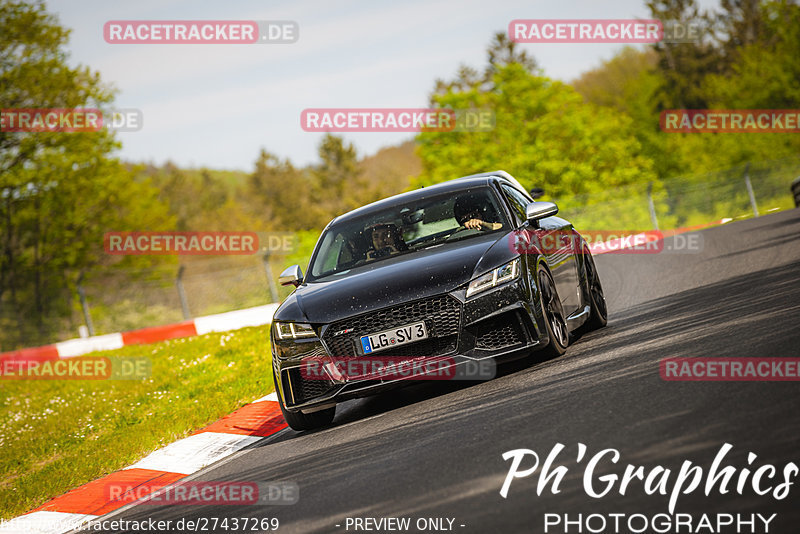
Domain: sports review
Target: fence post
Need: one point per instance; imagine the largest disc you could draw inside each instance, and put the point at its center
(750, 190)
(182, 293)
(652, 206)
(273, 289)
(85, 305)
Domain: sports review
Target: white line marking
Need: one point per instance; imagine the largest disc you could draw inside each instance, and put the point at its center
(222, 322)
(191, 454)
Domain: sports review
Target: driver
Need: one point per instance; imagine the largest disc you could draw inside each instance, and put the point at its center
(470, 212)
(386, 240)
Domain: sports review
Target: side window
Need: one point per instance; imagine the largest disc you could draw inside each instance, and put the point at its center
(517, 201)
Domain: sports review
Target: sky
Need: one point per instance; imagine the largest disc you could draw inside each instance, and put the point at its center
(218, 105)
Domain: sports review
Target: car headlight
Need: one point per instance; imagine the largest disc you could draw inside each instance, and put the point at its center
(494, 278)
(294, 330)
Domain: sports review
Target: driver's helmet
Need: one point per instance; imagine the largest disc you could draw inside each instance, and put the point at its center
(472, 206)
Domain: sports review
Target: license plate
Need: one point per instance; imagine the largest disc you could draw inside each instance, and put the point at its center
(394, 337)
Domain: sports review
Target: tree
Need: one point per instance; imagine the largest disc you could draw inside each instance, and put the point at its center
(545, 135)
(756, 45)
(629, 83)
(501, 52)
(683, 66)
(746, 60)
(739, 23)
(766, 73)
(279, 193)
(337, 179)
(617, 83)
(59, 192)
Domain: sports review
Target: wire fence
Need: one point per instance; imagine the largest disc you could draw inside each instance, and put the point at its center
(740, 192)
(128, 301)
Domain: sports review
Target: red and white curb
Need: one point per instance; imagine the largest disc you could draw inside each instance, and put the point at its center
(244, 427)
(221, 322)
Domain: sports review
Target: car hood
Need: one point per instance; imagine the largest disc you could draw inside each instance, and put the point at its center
(413, 276)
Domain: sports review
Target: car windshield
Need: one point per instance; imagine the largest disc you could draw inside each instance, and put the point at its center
(405, 228)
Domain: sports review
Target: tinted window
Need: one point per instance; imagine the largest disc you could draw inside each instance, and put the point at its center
(406, 228)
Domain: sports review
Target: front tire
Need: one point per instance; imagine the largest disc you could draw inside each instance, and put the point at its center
(553, 313)
(304, 421)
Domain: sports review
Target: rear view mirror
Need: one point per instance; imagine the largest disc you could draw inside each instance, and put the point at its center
(291, 276)
(539, 210)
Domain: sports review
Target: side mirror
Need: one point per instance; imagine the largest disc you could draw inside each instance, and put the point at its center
(537, 192)
(539, 210)
(291, 276)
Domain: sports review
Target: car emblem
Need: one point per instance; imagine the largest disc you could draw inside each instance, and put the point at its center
(340, 332)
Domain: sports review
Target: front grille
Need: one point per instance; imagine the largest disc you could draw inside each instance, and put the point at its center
(441, 314)
(303, 389)
(498, 333)
(427, 347)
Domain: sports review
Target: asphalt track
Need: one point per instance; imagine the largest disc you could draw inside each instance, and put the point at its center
(435, 449)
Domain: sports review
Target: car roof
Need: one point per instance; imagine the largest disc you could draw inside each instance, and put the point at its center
(498, 174)
(457, 184)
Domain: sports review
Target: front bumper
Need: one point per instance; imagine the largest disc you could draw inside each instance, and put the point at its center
(498, 324)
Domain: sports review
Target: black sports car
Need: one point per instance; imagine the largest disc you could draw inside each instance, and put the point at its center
(468, 270)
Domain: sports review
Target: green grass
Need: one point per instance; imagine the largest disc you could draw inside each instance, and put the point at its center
(56, 435)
